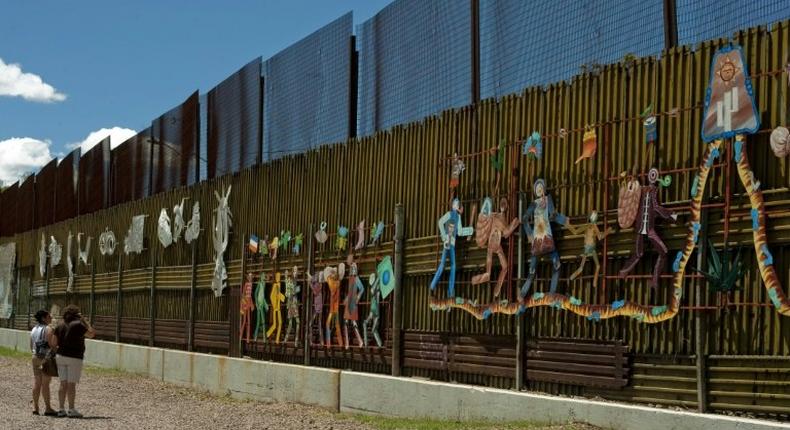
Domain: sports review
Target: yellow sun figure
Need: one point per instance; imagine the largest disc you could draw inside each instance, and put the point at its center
(727, 71)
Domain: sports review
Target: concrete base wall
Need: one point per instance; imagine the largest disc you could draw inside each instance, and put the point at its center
(378, 394)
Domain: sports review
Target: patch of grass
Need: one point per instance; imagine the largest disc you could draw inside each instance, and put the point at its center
(387, 423)
(11, 353)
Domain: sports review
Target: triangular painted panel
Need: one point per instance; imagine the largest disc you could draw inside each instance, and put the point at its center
(730, 107)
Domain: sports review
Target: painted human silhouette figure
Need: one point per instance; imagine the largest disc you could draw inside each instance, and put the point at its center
(374, 312)
(591, 237)
(351, 302)
(490, 229)
(650, 210)
(450, 228)
(276, 298)
(333, 276)
(246, 308)
(317, 286)
(261, 307)
(292, 289)
(537, 225)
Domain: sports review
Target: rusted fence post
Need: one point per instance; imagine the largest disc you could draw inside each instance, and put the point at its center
(192, 290)
(397, 325)
(152, 302)
(521, 319)
(119, 301)
(308, 297)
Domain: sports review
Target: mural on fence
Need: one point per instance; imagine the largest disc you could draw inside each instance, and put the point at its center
(7, 261)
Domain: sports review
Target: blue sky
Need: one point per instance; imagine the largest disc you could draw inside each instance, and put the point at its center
(73, 71)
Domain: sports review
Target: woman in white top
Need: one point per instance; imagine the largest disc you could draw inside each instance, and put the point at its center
(40, 338)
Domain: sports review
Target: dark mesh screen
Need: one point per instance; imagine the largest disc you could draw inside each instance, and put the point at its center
(175, 146)
(131, 168)
(414, 61)
(45, 194)
(26, 205)
(306, 97)
(234, 122)
(539, 42)
(699, 21)
(66, 186)
(8, 204)
(94, 178)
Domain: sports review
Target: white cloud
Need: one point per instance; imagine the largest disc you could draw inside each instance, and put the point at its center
(118, 135)
(16, 83)
(21, 156)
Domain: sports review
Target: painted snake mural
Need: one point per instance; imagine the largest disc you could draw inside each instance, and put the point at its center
(655, 314)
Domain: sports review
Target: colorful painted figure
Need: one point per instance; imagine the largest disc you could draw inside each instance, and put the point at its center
(261, 307)
(292, 289)
(246, 308)
(342, 238)
(276, 298)
(374, 312)
(649, 124)
(274, 245)
(264, 246)
(497, 160)
(649, 210)
(351, 302)
(321, 235)
(285, 240)
(377, 233)
(333, 276)
(490, 229)
(297, 248)
(450, 228)
(456, 167)
(317, 286)
(591, 237)
(537, 225)
(589, 144)
(533, 147)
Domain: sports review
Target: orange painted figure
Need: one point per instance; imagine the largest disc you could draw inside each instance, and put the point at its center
(247, 306)
(333, 276)
(351, 302)
(276, 298)
(490, 229)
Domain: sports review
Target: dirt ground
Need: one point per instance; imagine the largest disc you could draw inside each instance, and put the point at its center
(115, 400)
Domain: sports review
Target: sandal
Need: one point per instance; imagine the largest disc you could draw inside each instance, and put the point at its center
(51, 413)
(35, 413)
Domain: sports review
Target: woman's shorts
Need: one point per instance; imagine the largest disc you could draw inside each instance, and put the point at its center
(69, 369)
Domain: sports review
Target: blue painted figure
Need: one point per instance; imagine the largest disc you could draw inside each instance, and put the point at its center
(537, 225)
(449, 229)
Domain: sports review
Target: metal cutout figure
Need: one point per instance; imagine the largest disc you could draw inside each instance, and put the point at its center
(276, 298)
(83, 253)
(456, 167)
(107, 242)
(360, 236)
(178, 220)
(628, 202)
(374, 312)
(274, 246)
(317, 287)
(69, 264)
(246, 308)
(780, 142)
(42, 257)
(497, 160)
(164, 230)
(320, 235)
(650, 210)
(298, 241)
(333, 276)
(193, 226)
(589, 144)
(537, 226)
(591, 237)
(450, 228)
(533, 147)
(292, 289)
(7, 258)
(378, 232)
(221, 236)
(285, 240)
(341, 241)
(490, 229)
(133, 243)
(261, 308)
(55, 252)
(351, 302)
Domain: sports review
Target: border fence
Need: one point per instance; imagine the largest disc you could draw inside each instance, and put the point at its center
(723, 352)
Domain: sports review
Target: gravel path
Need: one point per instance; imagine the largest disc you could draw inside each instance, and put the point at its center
(111, 400)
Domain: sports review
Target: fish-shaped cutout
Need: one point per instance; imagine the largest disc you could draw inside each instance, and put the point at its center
(360, 236)
(589, 145)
